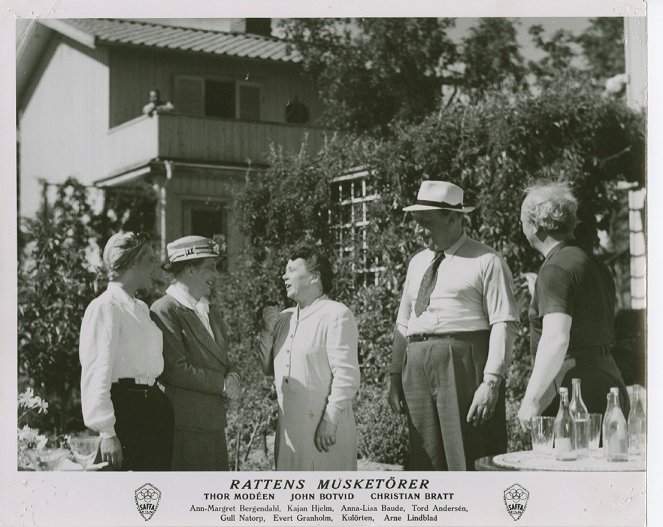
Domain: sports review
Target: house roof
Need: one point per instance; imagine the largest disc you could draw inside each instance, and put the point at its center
(93, 31)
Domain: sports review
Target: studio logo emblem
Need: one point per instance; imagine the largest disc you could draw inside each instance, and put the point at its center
(147, 500)
(515, 499)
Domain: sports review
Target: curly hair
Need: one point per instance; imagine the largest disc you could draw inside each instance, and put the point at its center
(316, 262)
(122, 251)
(551, 207)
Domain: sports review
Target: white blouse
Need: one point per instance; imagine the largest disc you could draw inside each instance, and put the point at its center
(118, 340)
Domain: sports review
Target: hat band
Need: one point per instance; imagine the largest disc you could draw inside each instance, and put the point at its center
(192, 252)
(444, 204)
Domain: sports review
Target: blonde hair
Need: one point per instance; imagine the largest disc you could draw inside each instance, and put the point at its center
(551, 207)
(122, 251)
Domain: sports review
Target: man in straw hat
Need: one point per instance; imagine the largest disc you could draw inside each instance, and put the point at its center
(453, 339)
(197, 371)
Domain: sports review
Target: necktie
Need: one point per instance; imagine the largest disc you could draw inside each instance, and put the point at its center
(427, 284)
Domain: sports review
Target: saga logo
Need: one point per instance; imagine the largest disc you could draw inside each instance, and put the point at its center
(515, 499)
(147, 500)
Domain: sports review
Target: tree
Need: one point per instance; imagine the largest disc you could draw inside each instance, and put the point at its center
(491, 55)
(55, 284)
(491, 148)
(372, 71)
(603, 46)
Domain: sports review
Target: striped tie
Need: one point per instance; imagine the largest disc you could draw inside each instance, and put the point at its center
(427, 284)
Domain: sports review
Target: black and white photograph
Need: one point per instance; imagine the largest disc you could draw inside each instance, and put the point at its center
(359, 268)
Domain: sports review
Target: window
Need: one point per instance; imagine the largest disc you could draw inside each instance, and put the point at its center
(211, 97)
(204, 218)
(352, 193)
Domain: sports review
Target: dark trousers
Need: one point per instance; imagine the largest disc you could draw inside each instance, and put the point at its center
(440, 377)
(144, 426)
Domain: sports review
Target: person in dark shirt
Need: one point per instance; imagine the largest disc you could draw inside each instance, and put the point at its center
(572, 310)
(155, 105)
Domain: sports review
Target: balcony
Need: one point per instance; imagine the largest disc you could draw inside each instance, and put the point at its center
(204, 139)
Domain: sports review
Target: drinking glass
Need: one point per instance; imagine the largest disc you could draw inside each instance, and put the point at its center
(46, 458)
(542, 435)
(594, 433)
(84, 449)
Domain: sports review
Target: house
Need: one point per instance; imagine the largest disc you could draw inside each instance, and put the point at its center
(81, 88)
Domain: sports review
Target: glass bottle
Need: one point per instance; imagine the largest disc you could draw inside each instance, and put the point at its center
(580, 417)
(615, 434)
(565, 435)
(637, 428)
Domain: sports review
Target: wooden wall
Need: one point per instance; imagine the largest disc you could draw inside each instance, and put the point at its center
(205, 184)
(63, 124)
(135, 71)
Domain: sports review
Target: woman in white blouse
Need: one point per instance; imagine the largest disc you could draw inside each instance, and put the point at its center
(311, 350)
(121, 357)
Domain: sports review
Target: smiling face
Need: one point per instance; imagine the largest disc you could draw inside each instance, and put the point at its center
(301, 285)
(201, 277)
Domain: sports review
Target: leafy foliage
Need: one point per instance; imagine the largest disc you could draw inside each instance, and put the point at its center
(55, 284)
(374, 70)
(492, 148)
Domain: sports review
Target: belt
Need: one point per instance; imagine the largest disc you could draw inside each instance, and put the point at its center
(422, 337)
(136, 382)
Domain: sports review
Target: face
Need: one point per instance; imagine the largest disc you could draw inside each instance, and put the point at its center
(299, 281)
(203, 277)
(145, 268)
(154, 96)
(528, 229)
(444, 229)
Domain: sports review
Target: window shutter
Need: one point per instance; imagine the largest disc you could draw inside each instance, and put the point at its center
(190, 95)
(249, 102)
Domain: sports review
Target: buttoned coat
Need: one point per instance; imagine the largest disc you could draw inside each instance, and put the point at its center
(195, 366)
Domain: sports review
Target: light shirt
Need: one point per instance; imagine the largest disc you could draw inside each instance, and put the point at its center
(201, 307)
(473, 291)
(118, 340)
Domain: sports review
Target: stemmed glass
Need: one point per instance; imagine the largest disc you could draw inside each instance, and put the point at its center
(84, 449)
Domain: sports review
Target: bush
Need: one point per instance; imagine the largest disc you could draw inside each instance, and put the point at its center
(381, 434)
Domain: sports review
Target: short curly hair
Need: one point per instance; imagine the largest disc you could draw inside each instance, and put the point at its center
(551, 207)
(316, 262)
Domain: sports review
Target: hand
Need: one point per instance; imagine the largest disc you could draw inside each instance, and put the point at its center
(530, 280)
(270, 315)
(396, 396)
(325, 436)
(483, 404)
(233, 386)
(528, 409)
(111, 451)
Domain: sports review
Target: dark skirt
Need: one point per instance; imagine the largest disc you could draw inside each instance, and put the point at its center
(144, 426)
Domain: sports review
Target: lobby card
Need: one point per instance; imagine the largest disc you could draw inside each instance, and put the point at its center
(352, 499)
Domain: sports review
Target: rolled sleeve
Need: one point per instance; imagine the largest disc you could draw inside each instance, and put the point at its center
(499, 301)
(341, 345)
(98, 339)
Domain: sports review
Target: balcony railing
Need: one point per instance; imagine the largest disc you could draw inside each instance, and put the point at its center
(204, 139)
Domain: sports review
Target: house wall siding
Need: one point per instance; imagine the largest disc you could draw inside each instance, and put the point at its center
(63, 125)
(134, 72)
(205, 185)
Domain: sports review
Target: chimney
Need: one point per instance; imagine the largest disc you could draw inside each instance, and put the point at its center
(252, 26)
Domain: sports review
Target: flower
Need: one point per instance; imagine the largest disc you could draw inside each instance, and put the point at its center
(30, 401)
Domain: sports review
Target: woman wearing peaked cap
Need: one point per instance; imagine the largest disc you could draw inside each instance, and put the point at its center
(197, 372)
(121, 355)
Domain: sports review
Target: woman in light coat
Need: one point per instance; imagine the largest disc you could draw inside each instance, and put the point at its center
(311, 350)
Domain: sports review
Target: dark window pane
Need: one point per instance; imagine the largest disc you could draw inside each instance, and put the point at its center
(207, 222)
(220, 98)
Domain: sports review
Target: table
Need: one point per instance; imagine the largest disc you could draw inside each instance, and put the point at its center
(527, 460)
